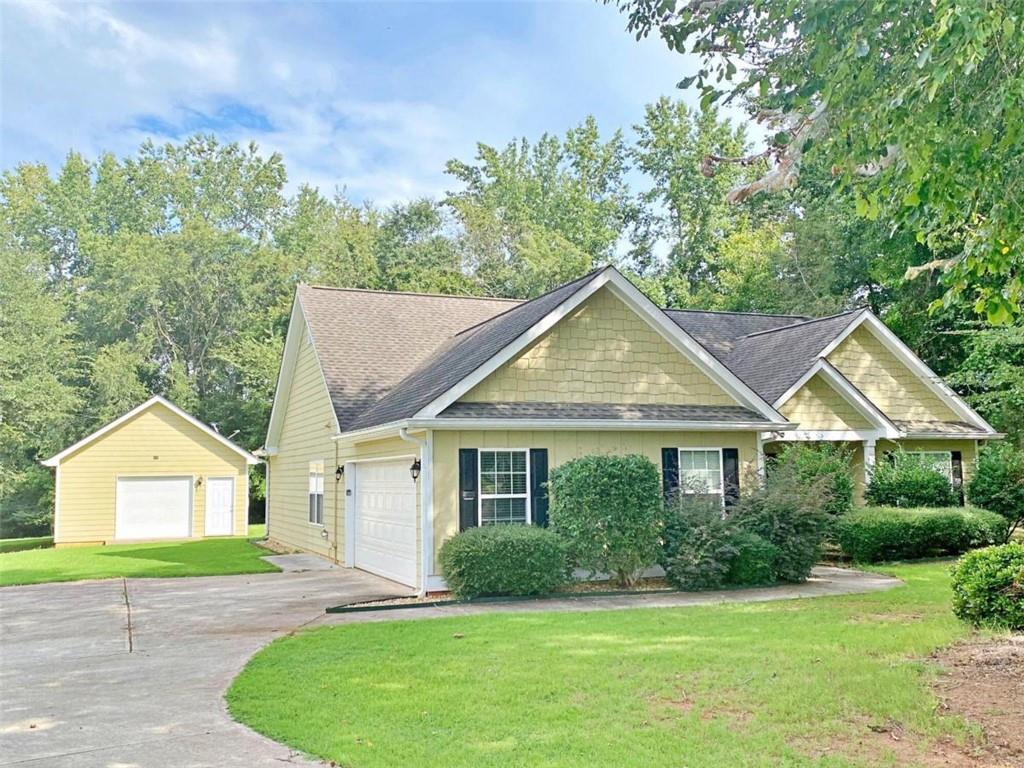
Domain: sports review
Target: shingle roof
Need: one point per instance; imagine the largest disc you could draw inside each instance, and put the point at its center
(462, 354)
(938, 427)
(608, 411)
(718, 331)
(368, 341)
(770, 362)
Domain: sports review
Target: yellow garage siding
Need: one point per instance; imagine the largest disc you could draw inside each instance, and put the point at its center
(886, 381)
(603, 353)
(306, 436)
(818, 406)
(156, 442)
(562, 446)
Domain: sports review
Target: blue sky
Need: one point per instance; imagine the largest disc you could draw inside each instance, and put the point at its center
(369, 97)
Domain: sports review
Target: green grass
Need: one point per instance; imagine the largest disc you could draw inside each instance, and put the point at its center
(208, 557)
(31, 542)
(791, 683)
(257, 530)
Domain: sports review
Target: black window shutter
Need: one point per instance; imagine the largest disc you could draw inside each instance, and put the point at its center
(958, 475)
(731, 475)
(538, 486)
(467, 488)
(670, 472)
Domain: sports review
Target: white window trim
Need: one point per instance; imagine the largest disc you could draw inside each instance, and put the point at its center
(322, 493)
(947, 456)
(721, 471)
(479, 485)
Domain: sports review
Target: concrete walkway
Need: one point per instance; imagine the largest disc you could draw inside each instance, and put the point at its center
(824, 582)
(132, 674)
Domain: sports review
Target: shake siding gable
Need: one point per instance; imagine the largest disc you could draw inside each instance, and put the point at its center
(156, 442)
(818, 406)
(306, 435)
(886, 381)
(603, 353)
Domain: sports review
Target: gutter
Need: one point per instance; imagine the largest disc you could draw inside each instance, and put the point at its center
(426, 481)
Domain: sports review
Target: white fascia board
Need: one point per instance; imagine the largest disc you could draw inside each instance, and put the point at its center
(906, 355)
(391, 429)
(645, 308)
(857, 399)
(598, 424)
(953, 435)
(53, 461)
(824, 435)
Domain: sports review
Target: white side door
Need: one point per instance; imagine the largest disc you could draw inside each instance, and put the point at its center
(385, 520)
(220, 506)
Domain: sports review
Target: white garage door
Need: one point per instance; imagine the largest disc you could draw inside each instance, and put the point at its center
(385, 520)
(153, 507)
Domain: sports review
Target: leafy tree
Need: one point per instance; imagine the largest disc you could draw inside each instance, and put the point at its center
(991, 377)
(998, 483)
(918, 107)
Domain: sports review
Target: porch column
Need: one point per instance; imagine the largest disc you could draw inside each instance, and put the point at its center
(869, 460)
(760, 457)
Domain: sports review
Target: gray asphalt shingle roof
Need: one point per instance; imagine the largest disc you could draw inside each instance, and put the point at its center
(718, 331)
(608, 411)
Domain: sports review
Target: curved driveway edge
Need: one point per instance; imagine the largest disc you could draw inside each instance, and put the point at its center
(72, 694)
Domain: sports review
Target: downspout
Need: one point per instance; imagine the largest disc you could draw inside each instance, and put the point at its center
(338, 490)
(426, 481)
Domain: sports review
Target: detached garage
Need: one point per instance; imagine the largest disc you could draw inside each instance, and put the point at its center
(155, 473)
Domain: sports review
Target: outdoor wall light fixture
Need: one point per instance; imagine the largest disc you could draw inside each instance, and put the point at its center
(339, 473)
(414, 470)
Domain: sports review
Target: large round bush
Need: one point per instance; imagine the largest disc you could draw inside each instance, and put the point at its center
(998, 483)
(608, 509)
(503, 560)
(988, 587)
(826, 465)
(754, 561)
(908, 481)
(699, 543)
(873, 534)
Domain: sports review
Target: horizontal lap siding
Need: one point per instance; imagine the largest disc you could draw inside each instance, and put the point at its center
(306, 436)
(156, 443)
(563, 446)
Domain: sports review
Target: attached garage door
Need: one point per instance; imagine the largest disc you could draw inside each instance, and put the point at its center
(385, 520)
(154, 507)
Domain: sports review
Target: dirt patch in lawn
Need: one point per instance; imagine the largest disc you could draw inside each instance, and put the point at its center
(983, 682)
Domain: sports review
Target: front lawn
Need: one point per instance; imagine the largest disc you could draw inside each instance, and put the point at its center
(208, 557)
(30, 542)
(793, 683)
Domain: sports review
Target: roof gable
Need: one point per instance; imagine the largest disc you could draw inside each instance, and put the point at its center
(156, 400)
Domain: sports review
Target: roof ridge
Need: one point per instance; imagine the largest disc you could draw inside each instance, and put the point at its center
(409, 293)
(801, 324)
(741, 314)
(580, 279)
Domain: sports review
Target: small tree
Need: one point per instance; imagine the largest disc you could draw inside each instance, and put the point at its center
(608, 509)
(998, 483)
(908, 481)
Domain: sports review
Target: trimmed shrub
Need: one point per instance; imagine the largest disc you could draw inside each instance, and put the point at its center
(753, 563)
(988, 587)
(828, 464)
(503, 560)
(608, 509)
(908, 481)
(998, 483)
(698, 543)
(889, 533)
(788, 512)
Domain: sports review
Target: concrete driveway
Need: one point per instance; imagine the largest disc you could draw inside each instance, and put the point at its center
(77, 688)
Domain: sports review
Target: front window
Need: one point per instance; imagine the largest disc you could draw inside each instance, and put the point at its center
(316, 492)
(700, 471)
(504, 487)
(940, 461)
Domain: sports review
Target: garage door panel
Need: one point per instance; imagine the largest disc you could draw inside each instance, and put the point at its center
(153, 508)
(385, 520)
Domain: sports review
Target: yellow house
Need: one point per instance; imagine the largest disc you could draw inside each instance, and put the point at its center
(400, 419)
(154, 473)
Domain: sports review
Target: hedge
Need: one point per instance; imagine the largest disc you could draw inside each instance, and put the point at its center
(503, 560)
(988, 587)
(873, 534)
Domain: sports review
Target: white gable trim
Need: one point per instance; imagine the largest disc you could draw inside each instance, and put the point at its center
(906, 355)
(286, 374)
(632, 297)
(849, 393)
(54, 461)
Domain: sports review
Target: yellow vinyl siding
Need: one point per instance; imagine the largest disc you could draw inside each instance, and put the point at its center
(562, 446)
(887, 382)
(306, 435)
(818, 406)
(155, 443)
(603, 353)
